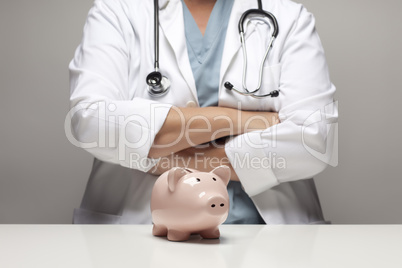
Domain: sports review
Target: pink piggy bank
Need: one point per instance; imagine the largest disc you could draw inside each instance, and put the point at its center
(186, 202)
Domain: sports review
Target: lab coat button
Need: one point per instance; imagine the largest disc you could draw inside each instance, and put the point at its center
(191, 104)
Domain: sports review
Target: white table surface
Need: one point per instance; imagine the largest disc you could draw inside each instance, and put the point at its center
(239, 246)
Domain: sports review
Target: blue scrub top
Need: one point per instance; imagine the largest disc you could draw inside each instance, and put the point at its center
(205, 54)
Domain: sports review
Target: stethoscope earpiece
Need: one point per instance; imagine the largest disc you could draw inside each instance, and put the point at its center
(272, 94)
(228, 85)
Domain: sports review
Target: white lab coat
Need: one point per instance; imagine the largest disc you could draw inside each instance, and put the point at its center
(116, 120)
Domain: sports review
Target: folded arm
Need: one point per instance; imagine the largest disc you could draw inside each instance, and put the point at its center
(187, 127)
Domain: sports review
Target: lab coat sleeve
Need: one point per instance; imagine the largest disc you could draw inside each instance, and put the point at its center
(302, 145)
(105, 121)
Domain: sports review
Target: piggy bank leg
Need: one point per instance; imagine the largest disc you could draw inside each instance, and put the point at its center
(174, 235)
(210, 233)
(159, 230)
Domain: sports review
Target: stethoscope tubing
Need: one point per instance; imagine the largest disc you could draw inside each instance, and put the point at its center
(243, 43)
(262, 13)
(275, 32)
(156, 35)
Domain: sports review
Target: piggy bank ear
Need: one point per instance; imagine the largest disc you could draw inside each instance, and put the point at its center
(174, 176)
(223, 172)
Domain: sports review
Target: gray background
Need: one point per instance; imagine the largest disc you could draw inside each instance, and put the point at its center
(42, 176)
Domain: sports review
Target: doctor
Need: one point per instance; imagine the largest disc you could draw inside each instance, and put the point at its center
(274, 146)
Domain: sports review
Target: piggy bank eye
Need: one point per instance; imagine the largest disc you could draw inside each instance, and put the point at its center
(214, 179)
(198, 180)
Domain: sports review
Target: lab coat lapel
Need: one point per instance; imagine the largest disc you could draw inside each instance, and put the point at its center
(172, 23)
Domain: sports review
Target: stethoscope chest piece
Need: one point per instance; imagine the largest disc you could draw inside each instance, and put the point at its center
(158, 85)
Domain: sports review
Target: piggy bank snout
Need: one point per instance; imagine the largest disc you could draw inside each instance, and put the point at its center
(217, 205)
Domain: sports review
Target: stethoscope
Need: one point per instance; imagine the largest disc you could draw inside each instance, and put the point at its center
(158, 85)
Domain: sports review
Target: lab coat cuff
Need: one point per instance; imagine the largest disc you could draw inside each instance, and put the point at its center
(247, 157)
